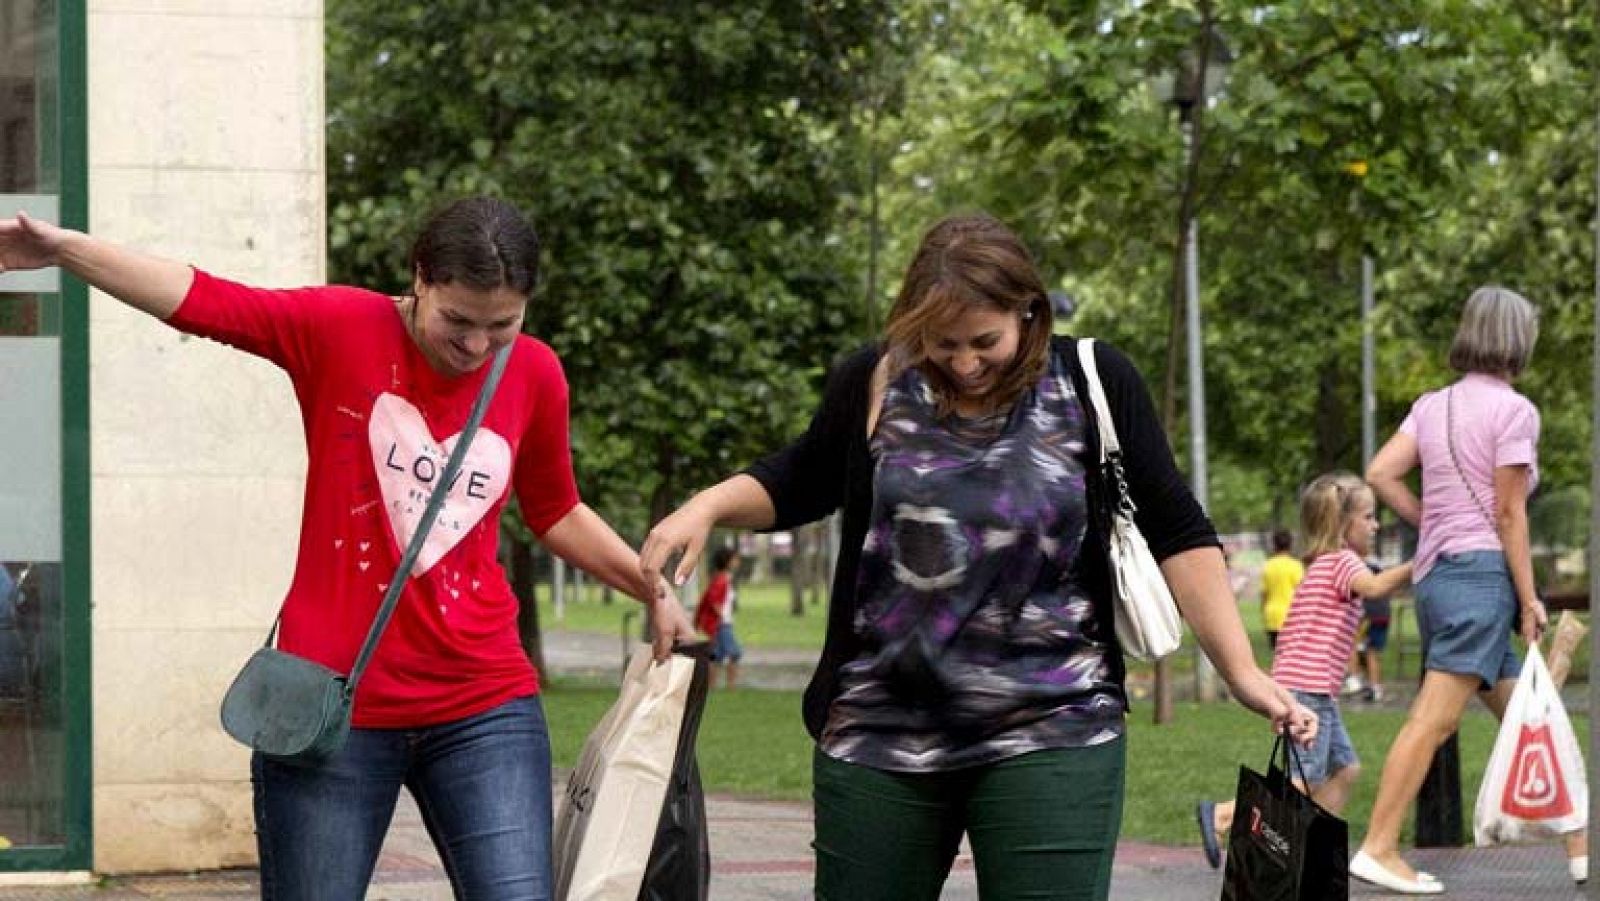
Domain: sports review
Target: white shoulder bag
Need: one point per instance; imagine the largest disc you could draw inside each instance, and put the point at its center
(1148, 626)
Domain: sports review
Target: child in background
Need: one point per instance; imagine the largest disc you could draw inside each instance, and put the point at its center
(1338, 520)
(1365, 677)
(714, 616)
(1374, 638)
(1280, 575)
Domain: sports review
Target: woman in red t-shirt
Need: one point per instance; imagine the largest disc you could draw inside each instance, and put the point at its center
(449, 705)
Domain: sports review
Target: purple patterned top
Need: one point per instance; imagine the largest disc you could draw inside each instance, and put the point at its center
(971, 626)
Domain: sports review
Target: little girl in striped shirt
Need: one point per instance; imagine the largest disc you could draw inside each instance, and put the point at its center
(1338, 520)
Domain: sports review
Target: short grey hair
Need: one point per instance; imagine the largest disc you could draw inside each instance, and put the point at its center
(1497, 333)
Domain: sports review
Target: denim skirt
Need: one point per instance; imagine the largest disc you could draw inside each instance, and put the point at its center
(1465, 609)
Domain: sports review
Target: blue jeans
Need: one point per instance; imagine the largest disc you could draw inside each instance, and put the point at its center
(725, 646)
(482, 784)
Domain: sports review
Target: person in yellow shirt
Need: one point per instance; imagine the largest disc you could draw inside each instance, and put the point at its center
(1279, 576)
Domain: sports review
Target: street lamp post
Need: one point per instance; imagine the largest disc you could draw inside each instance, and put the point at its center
(1594, 532)
(1199, 75)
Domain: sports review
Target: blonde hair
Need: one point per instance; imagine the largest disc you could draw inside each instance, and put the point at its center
(1497, 333)
(965, 262)
(1325, 508)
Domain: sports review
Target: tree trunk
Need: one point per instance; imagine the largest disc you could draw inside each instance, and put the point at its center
(522, 585)
(761, 560)
(819, 561)
(874, 225)
(1331, 427)
(797, 570)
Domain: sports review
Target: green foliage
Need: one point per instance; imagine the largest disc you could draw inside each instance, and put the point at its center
(720, 186)
(1560, 519)
(763, 619)
(1450, 139)
(683, 163)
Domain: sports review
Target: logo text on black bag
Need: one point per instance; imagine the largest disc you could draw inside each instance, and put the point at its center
(1268, 838)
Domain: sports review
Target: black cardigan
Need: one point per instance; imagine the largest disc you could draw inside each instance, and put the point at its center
(830, 466)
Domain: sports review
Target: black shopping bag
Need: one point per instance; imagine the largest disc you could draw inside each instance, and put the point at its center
(679, 868)
(1283, 846)
(632, 825)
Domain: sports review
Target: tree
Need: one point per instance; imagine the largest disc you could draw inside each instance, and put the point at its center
(685, 166)
(1341, 130)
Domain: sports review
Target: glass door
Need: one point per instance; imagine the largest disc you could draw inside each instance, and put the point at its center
(44, 742)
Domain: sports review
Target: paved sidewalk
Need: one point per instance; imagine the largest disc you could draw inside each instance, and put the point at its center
(762, 853)
(761, 850)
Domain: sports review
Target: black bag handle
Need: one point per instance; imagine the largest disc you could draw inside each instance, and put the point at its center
(1291, 758)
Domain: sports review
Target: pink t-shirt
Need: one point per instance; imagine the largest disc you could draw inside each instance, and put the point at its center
(379, 424)
(1317, 638)
(1494, 426)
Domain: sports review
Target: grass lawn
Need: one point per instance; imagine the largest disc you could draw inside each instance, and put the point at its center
(764, 621)
(763, 617)
(752, 742)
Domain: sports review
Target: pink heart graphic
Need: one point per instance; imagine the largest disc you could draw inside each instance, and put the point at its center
(409, 462)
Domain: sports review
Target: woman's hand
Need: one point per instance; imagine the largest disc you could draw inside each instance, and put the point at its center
(670, 623)
(28, 243)
(687, 530)
(149, 283)
(1534, 621)
(1259, 693)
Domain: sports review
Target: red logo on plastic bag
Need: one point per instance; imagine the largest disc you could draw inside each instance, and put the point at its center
(1535, 788)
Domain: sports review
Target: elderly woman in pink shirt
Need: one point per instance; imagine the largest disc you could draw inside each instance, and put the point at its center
(1476, 441)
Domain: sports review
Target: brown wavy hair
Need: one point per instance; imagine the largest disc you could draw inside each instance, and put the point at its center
(969, 261)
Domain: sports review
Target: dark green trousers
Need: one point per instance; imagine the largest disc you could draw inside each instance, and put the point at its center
(1042, 826)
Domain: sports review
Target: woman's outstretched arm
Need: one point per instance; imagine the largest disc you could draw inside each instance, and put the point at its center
(149, 283)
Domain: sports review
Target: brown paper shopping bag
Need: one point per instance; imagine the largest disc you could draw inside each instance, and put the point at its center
(632, 821)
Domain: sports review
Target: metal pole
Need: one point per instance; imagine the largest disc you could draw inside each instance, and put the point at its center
(1205, 674)
(558, 586)
(1594, 509)
(1197, 378)
(1369, 383)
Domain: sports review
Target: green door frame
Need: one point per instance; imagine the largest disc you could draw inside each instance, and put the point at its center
(72, 148)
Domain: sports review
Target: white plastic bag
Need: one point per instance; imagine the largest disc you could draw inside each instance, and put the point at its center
(1535, 785)
(607, 822)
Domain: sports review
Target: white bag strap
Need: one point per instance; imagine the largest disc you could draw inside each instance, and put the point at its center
(1097, 399)
(1110, 447)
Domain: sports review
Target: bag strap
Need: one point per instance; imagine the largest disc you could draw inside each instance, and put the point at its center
(1110, 447)
(1450, 442)
(1284, 745)
(402, 572)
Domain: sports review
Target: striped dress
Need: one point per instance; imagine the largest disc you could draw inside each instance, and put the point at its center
(1317, 638)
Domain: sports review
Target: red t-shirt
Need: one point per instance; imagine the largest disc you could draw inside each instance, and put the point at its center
(708, 616)
(379, 424)
(1314, 646)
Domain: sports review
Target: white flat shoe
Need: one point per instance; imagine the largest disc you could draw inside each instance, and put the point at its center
(1366, 869)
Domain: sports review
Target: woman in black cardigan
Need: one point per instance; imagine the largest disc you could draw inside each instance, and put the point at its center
(971, 682)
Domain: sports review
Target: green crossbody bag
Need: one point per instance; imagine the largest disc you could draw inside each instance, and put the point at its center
(297, 711)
